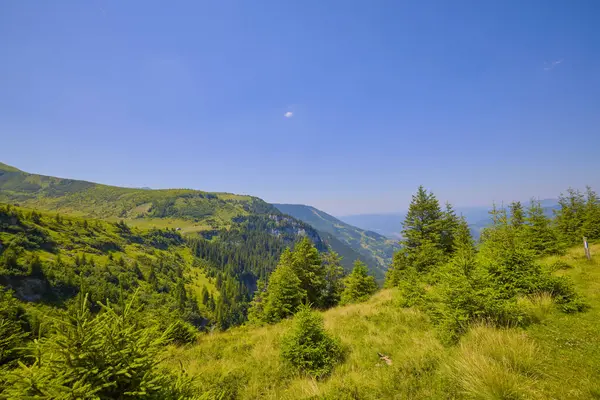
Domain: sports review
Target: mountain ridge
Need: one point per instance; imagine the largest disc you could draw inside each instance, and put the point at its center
(367, 243)
(187, 210)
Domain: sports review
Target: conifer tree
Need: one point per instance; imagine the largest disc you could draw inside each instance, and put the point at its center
(308, 347)
(422, 231)
(591, 224)
(108, 356)
(571, 215)
(205, 295)
(284, 293)
(517, 216)
(397, 272)
(180, 295)
(449, 225)
(306, 264)
(334, 274)
(152, 279)
(464, 248)
(539, 234)
(359, 285)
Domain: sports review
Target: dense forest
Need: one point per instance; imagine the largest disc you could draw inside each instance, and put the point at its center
(88, 305)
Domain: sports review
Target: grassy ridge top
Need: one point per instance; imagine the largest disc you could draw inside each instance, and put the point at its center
(83, 198)
(558, 357)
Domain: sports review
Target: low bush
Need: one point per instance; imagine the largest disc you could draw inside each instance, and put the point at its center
(181, 333)
(108, 356)
(308, 347)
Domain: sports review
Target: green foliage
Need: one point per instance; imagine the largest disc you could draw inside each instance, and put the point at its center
(481, 283)
(300, 273)
(14, 329)
(486, 286)
(284, 293)
(101, 201)
(571, 216)
(238, 258)
(538, 232)
(334, 283)
(308, 347)
(108, 356)
(373, 249)
(182, 332)
(359, 285)
(517, 214)
(307, 265)
(428, 232)
(591, 224)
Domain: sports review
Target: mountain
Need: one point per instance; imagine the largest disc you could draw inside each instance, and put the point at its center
(189, 211)
(367, 243)
(386, 224)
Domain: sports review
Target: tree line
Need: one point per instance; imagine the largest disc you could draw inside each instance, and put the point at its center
(441, 269)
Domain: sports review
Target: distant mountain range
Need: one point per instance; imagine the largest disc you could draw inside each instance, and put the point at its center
(371, 246)
(390, 224)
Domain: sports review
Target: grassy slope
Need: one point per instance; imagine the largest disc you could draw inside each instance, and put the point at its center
(367, 243)
(70, 240)
(556, 358)
(191, 210)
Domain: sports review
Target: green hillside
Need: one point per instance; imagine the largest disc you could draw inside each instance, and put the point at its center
(191, 210)
(556, 358)
(188, 211)
(48, 258)
(349, 255)
(368, 243)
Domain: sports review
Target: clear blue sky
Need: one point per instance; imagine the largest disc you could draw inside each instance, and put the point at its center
(344, 105)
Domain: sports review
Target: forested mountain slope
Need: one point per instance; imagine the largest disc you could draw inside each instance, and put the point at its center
(48, 258)
(369, 244)
(190, 211)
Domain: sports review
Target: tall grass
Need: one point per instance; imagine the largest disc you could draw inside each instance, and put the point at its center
(558, 357)
(496, 364)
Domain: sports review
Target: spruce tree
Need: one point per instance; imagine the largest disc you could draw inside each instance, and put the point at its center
(464, 248)
(423, 230)
(359, 285)
(517, 216)
(449, 225)
(284, 294)
(571, 215)
(591, 223)
(334, 274)
(112, 355)
(306, 264)
(539, 234)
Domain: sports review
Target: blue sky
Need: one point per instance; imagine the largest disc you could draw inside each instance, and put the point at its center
(344, 105)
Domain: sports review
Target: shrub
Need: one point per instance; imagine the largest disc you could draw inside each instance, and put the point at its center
(359, 285)
(308, 347)
(562, 290)
(558, 265)
(14, 328)
(181, 332)
(109, 356)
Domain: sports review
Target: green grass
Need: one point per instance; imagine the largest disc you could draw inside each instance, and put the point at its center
(556, 358)
(70, 237)
(192, 210)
